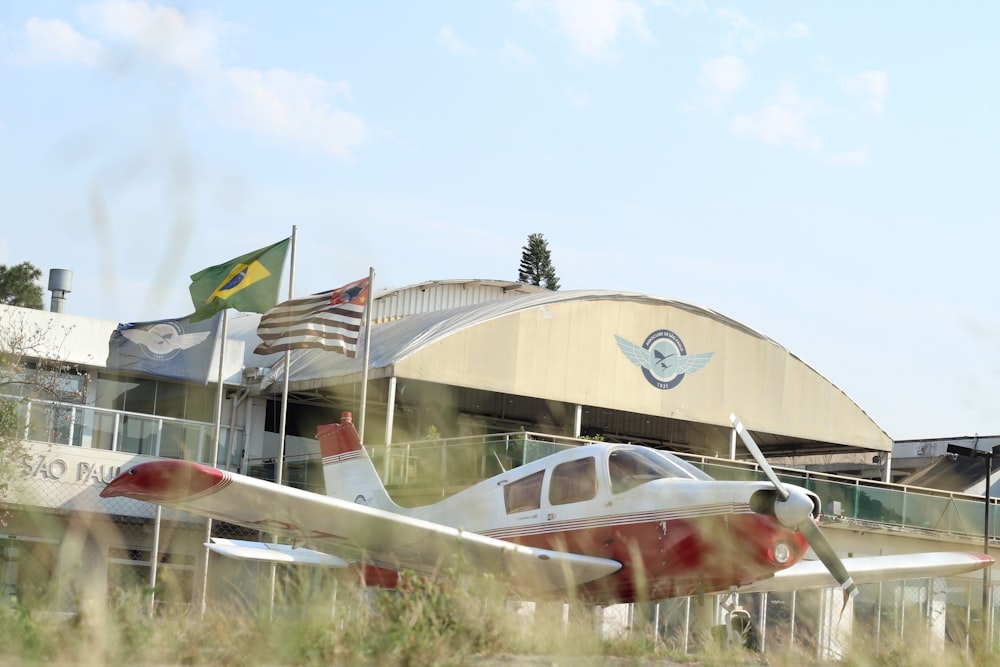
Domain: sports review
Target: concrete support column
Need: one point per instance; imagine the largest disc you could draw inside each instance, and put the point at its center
(551, 618)
(835, 624)
(390, 411)
(937, 604)
(706, 613)
(618, 620)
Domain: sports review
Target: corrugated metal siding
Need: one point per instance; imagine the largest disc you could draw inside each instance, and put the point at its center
(441, 294)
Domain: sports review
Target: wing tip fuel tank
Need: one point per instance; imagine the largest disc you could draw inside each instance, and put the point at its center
(164, 480)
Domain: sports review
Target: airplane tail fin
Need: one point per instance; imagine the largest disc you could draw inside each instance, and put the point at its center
(347, 470)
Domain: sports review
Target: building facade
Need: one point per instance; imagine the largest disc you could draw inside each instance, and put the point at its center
(446, 360)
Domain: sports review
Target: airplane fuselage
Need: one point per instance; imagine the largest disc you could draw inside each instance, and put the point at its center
(602, 522)
(678, 535)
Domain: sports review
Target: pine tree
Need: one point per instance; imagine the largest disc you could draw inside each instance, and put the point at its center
(18, 286)
(536, 264)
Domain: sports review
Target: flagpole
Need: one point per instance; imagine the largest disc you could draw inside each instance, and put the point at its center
(216, 430)
(280, 466)
(288, 361)
(368, 347)
(155, 560)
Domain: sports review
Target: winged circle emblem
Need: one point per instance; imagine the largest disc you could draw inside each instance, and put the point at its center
(663, 358)
(164, 340)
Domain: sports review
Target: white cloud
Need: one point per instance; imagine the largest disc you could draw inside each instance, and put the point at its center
(55, 41)
(869, 88)
(721, 78)
(683, 7)
(449, 40)
(747, 35)
(798, 30)
(743, 32)
(593, 26)
(291, 107)
(857, 156)
(515, 54)
(156, 33)
(786, 119)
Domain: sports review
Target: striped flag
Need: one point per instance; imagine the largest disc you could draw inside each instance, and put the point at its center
(328, 320)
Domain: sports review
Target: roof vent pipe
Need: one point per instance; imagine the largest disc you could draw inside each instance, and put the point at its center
(60, 284)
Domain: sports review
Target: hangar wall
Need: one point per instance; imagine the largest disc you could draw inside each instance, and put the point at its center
(567, 351)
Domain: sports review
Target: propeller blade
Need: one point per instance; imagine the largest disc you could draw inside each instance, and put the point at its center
(758, 456)
(824, 551)
(814, 536)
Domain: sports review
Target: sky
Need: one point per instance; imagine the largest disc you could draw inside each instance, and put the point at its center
(825, 173)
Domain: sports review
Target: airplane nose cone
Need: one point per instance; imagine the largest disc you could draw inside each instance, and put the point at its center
(797, 508)
(163, 481)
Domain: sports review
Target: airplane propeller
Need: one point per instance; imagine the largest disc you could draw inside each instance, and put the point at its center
(794, 510)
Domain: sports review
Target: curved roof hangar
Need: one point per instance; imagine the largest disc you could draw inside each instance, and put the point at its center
(573, 347)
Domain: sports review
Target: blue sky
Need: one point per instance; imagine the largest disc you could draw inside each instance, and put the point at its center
(823, 172)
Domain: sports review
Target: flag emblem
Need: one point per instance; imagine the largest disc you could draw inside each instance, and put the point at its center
(248, 283)
(175, 348)
(328, 320)
(241, 277)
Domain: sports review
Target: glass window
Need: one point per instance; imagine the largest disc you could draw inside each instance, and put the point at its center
(182, 441)
(628, 468)
(129, 571)
(524, 494)
(138, 435)
(156, 397)
(28, 570)
(46, 385)
(677, 466)
(573, 481)
(171, 400)
(133, 395)
(200, 406)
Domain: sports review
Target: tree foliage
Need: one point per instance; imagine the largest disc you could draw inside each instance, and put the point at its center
(29, 369)
(536, 264)
(19, 286)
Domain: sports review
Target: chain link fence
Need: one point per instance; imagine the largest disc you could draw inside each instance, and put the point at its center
(63, 543)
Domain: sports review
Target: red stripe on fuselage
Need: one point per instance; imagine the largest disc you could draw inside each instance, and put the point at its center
(675, 557)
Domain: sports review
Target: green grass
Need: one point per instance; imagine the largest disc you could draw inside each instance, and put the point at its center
(455, 621)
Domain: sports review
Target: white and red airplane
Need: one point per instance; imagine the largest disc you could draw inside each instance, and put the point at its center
(600, 523)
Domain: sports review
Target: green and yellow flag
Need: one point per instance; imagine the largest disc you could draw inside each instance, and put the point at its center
(249, 283)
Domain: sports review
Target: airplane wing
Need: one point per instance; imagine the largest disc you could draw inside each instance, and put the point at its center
(348, 530)
(273, 553)
(872, 569)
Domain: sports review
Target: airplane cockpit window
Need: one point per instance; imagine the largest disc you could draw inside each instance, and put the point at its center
(525, 494)
(683, 468)
(573, 481)
(631, 467)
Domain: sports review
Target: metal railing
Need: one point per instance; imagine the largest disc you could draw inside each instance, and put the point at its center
(128, 432)
(463, 461)
(873, 501)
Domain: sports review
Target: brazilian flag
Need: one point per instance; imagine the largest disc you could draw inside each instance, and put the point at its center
(249, 283)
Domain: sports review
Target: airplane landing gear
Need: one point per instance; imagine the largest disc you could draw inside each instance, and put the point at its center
(739, 629)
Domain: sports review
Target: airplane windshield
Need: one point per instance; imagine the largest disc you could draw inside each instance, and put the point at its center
(684, 468)
(634, 466)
